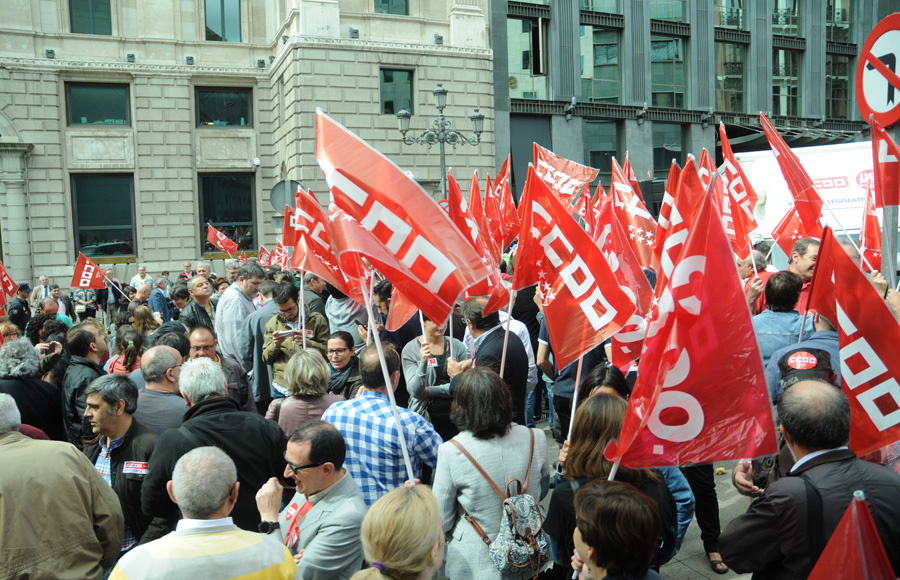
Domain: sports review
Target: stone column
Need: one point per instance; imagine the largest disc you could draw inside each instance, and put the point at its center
(14, 226)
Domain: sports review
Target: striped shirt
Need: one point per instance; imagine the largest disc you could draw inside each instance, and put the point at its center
(104, 468)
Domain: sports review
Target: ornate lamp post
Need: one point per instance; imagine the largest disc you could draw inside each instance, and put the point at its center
(441, 132)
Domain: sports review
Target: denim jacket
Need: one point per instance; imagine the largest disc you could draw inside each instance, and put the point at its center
(776, 330)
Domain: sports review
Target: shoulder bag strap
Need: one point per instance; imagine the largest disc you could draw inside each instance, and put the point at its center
(530, 458)
(278, 404)
(191, 437)
(478, 467)
(814, 519)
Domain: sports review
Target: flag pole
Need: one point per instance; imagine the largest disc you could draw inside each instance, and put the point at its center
(512, 296)
(614, 470)
(389, 387)
(302, 308)
(422, 322)
(889, 217)
(575, 397)
(752, 261)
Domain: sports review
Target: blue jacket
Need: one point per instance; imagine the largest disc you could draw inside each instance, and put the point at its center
(775, 330)
(826, 340)
(159, 303)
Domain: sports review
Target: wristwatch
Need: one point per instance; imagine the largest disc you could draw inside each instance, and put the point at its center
(268, 527)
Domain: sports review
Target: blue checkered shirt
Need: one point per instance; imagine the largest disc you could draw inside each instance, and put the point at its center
(104, 468)
(374, 458)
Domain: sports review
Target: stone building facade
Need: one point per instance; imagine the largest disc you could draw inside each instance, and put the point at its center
(127, 125)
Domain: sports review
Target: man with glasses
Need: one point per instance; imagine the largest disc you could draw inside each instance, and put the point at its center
(323, 518)
(159, 405)
(284, 333)
(256, 445)
(204, 345)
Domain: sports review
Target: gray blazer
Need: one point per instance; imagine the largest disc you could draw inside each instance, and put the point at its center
(419, 375)
(329, 533)
(458, 485)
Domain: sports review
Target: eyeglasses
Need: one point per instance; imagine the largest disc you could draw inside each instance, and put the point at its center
(296, 468)
(334, 351)
(13, 334)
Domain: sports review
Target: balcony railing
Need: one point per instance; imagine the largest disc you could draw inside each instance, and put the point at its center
(728, 17)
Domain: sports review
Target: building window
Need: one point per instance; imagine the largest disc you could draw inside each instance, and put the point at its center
(785, 82)
(730, 77)
(528, 38)
(90, 16)
(91, 104)
(226, 202)
(599, 65)
(396, 91)
(104, 216)
(667, 69)
(610, 6)
(667, 10)
(224, 107)
(837, 20)
(400, 7)
(837, 86)
(601, 144)
(786, 17)
(667, 145)
(223, 20)
(729, 14)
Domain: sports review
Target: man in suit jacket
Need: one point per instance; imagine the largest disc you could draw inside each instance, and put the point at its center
(489, 337)
(324, 517)
(253, 336)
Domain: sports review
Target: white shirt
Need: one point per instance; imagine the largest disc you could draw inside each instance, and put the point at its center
(813, 455)
(190, 524)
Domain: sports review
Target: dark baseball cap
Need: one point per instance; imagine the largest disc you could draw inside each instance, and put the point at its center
(24, 287)
(802, 364)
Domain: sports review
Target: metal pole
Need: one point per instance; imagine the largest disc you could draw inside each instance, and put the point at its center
(443, 172)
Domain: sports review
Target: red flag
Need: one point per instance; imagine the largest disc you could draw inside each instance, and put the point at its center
(886, 161)
(280, 256)
(870, 234)
(867, 332)
(220, 240)
(583, 303)
(701, 394)
(401, 311)
(613, 242)
(806, 198)
(741, 198)
(855, 549)
(461, 214)
(289, 232)
(487, 217)
(502, 192)
(735, 227)
(391, 220)
(633, 215)
(564, 178)
(313, 251)
(242, 259)
(264, 257)
(584, 209)
(7, 283)
(87, 274)
(632, 178)
(668, 211)
(791, 230)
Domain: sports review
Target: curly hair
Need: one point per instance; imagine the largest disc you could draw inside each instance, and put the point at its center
(18, 360)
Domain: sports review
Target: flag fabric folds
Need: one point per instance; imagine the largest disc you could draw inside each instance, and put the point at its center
(7, 283)
(701, 394)
(870, 234)
(886, 163)
(633, 215)
(380, 213)
(87, 274)
(501, 191)
(564, 178)
(867, 334)
(583, 303)
(264, 257)
(806, 197)
(855, 549)
(221, 241)
(791, 230)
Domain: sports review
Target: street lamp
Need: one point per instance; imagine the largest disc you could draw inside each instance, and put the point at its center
(440, 131)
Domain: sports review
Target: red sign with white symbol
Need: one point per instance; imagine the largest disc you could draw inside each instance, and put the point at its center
(877, 75)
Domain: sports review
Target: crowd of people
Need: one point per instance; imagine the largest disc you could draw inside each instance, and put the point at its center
(243, 426)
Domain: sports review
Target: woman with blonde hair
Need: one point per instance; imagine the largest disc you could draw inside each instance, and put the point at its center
(306, 380)
(402, 536)
(145, 322)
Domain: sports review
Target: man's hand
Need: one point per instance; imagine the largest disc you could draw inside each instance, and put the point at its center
(563, 453)
(878, 281)
(455, 367)
(754, 290)
(278, 339)
(268, 500)
(742, 478)
(893, 302)
(363, 333)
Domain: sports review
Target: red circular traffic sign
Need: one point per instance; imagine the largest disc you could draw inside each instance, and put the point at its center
(878, 73)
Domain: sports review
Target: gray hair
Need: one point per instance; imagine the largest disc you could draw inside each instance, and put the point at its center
(160, 280)
(114, 388)
(204, 265)
(18, 360)
(10, 417)
(201, 379)
(232, 264)
(250, 270)
(202, 480)
(758, 258)
(144, 266)
(307, 374)
(816, 415)
(309, 277)
(154, 367)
